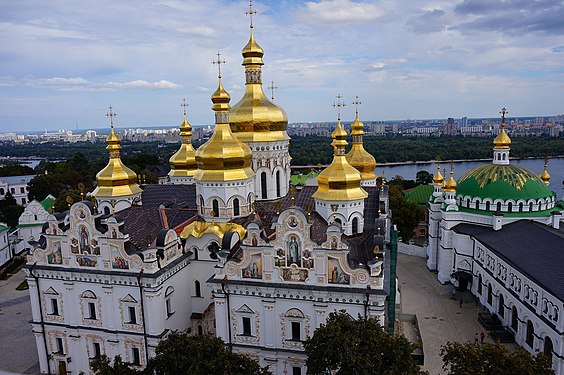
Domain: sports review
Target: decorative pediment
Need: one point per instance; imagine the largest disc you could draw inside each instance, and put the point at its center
(51, 291)
(334, 242)
(128, 299)
(245, 310)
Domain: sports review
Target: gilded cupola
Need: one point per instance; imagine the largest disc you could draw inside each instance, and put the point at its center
(223, 157)
(502, 140)
(450, 184)
(340, 181)
(545, 176)
(438, 178)
(183, 161)
(115, 179)
(358, 157)
(255, 118)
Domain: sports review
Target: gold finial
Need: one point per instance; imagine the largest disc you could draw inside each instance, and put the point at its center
(451, 167)
(272, 88)
(545, 176)
(278, 208)
(250, 12)
(184, 105)
(69, 200)
(81, 188)
(383, 178)
(218, 62)
(111, 114)
(339, 104)
(503, 112)
(356, 104)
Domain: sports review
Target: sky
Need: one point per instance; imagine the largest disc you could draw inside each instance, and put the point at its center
(63, 62)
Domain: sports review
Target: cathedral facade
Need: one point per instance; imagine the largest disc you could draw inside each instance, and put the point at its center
(228, 247)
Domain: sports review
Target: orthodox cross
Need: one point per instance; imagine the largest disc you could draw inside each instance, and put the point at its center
(339, 104)
(218, 62)
(184, 105)
(451, 167)
(503, 112)
(356, 104)
(250, 12)
(111, 114)
(272, 88)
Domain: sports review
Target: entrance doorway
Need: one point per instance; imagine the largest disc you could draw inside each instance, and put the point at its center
(62, 368)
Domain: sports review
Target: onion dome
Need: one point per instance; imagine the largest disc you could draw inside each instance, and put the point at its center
(255, 118)
(438, 178)
(115, 180)
(358, 157)
(340, 181)
(502, 140)
(545, 176)
(183, 161)
(450, 185)
(223, 157)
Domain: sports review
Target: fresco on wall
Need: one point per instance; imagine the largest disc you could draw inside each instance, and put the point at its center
(294, 253)
(307, 259)
(56, 257)
(335, 273)
(294, 274)
(254, 270)
(83, 242)
(86, 260)
(118, 262)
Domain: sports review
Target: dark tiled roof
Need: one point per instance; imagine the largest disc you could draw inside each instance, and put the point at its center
(159, 170)
(534, 249)
(182, 196)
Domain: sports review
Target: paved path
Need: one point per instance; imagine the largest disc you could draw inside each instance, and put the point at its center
(18, 351)
(441, 319)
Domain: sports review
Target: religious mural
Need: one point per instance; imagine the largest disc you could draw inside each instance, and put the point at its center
(83, 242)
(294, 254)
(118, 262)
(254, 270)
(335, 273)
(294, 274)
(95, 247)
(307, 259)
(74, 246)
(56, 256)
(86, 260)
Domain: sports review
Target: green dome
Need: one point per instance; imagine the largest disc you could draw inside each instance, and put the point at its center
(502, 182)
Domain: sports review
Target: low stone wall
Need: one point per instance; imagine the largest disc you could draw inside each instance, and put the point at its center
(418, 251)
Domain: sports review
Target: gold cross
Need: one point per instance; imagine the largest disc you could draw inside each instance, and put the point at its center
(218, 62)
(111, 114)
(503, 112)
(250, 12)
(451, 167)
(272, 88)
(184, 105)
(357, 103)
(339, 104)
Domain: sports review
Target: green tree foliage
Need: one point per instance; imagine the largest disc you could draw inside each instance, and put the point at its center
(345, 346)
(10, 211)
(423, 178)
(15, 170)
(180, 353)
(492, 359)
(406, 215)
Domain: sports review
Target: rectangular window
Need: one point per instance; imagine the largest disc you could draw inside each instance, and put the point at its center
(97, 350)
(136, 356)
(23, 201)
(59, 346)
(12, 190)
(22, 190)
(296, 331)
(168, 308)
(91, 310)
(247, 326)
(54, 306)
(296, 370)
(132, 315)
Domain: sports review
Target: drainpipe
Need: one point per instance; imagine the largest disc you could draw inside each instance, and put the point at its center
(228, 311)
(366, 301)
(41, 315)
(392, 291)
(143, 315)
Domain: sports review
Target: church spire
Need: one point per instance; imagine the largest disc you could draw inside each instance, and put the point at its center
(358, 157)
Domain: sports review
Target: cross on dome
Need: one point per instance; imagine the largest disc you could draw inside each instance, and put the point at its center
(503, 112)
(272, 88)
(218, 62)
(357, 103)
(111, 114)
(250, 12)
(184, 105)
(339, 104)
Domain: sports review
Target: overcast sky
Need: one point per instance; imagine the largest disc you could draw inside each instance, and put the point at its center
(63, 62)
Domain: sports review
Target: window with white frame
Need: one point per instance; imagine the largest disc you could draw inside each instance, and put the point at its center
(129, 310)
(59, 346)
(136, 356)
(52, 304)
(295, 320)
(168, 301)
(89, 306)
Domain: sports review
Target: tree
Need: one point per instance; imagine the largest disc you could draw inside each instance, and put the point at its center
(180, 353)
(423, 178)
(345, 346)
(10, 211)
(406, 215)
(492, 359)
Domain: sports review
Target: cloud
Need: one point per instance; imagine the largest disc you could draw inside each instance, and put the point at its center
(81, 84)
(428, 22)
(340, 11)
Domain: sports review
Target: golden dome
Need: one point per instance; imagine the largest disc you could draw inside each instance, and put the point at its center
(450, 185)
(502, 140)
(255, 118)
(223, 157)
(340, 181)
(115, 179)
(183, 161)
(358, 157)
(438, 178)
(545, 176)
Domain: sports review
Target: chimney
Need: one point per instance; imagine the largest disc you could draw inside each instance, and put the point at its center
(497, 221)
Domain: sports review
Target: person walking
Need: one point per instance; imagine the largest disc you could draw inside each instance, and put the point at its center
(482, 337)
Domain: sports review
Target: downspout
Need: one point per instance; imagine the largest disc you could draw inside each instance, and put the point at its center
(392, 291)
(228, 312)
(143, 315)
(366, 301)
(41, 315)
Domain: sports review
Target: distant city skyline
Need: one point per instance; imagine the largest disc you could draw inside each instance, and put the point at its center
(63, 65)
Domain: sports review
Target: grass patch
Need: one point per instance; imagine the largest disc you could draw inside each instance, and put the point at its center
(23, 286)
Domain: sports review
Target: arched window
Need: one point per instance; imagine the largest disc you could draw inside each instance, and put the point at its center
(514, 319)
(197, 290)
(236, 207)
(107, 210)
(477, 205)
(263, 188)
(479, 284)
(498, 206)
(521, 207)
(490, 294)
(530, 335)
(548, 347)
(355, 225)
(278, 184)
(200, 331)
(468, 202)
(487, 206)
(2, 191)
(509, 206)
(215, 208)
(501, 307)
(337, 220)
(202, 205)
(530, 206)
